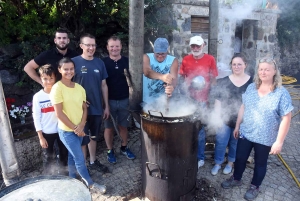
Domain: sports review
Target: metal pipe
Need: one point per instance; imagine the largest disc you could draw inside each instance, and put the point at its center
(8, 154)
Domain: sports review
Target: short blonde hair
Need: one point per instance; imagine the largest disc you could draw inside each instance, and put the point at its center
(277, 80)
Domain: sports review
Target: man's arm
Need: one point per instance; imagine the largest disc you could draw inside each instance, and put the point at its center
(105, 99)
(30, 70)
(148, 72)
(174, 71)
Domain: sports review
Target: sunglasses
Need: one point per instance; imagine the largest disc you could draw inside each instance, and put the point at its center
(161, 54)
(267, 60)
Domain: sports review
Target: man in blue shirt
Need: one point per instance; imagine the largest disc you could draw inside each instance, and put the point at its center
(91, 74)
(160, 71)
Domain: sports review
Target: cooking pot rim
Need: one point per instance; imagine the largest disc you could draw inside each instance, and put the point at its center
(159, 115)
(27, 182)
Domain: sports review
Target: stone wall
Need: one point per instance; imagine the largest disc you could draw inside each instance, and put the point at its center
(258, 32)
(183, 10)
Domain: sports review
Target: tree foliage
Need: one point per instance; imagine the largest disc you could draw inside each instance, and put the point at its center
(288, 26)
(159, 16)
(31, 24)
(23, 20)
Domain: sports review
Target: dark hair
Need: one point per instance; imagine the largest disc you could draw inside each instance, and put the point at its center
(47, 70)
(238, 55)
(64, 61)
(87, 35)
(60, 30)
(114, 38)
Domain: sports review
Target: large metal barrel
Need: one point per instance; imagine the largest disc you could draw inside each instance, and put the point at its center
(50, 188)
(169, 157)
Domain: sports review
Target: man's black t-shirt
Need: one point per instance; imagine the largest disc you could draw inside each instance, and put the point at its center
(116, 82)
(52, 57)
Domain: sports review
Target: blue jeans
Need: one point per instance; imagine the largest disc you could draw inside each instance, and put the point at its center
(75, 157)
(225, 137)
(201, 144)
(201, 136)
(261, 154)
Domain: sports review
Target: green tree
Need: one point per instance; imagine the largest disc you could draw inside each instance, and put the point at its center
(288, 26)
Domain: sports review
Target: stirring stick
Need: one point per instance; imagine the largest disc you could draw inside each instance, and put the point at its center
(167, 102)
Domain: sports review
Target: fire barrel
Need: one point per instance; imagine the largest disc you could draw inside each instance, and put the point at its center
(169, 157)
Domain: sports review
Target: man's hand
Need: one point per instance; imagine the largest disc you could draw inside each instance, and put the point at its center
(106, 113)
(169, 90)
(43, 143)
(167, 78)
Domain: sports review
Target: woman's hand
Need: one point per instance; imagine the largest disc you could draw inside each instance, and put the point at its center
(236, 132)
(81, 134)
(276, 148)
(78, 129)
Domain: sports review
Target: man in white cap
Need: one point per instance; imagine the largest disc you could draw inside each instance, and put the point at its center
(199, 64)
(160, 71)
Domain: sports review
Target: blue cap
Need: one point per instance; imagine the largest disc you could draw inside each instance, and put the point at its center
(161, 45)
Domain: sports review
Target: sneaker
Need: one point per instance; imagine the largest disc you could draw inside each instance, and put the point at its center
(229, 183)
(200, 163)
(251, 193)
(227, 169)
(98, 166)
(215, 169)
(111, 157)
(98, 187)
(128, 153)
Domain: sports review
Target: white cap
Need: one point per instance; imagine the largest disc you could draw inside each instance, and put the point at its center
(196, 40)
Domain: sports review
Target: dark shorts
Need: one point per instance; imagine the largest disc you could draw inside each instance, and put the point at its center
(120, 113)
(93, 128)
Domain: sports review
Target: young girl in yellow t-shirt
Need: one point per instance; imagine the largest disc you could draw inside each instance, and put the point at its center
(68, 99)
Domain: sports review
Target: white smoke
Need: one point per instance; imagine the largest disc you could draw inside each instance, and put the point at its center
(176, 107)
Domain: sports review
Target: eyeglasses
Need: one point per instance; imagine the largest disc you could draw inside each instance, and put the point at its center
(161, 54)
(267, 60)
(89, 45)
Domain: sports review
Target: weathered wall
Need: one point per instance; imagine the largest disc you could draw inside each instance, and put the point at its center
(183, 10)
(289, 62)
(258, 36)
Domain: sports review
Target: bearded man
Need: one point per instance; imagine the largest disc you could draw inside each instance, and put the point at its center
(199, 64)
(53, 56)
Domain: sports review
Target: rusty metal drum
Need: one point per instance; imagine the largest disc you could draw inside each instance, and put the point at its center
(169, 157)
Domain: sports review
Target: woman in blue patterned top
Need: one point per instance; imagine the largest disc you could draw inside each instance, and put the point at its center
(263, 123)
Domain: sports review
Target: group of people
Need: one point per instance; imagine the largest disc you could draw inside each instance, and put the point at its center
(78, 92)
(247, 112)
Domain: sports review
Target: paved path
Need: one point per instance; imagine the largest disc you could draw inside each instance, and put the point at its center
(124, 181)
(277, 185)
